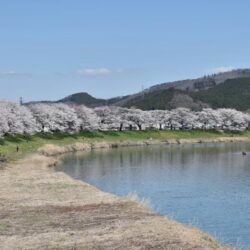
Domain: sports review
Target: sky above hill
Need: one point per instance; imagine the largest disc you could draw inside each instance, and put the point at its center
(50, 48)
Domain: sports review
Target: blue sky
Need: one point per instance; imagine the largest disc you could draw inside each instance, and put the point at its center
(53, 48)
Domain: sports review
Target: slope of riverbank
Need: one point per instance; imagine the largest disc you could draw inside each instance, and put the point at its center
(43, 209)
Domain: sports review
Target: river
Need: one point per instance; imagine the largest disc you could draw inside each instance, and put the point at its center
(206, 185)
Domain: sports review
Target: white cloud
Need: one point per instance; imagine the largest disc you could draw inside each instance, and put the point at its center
(13, 73)
(221, 69)
(94, 71)
(8, 73)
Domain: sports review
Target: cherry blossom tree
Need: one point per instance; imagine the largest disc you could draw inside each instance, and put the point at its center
(183, 118)
(160, 118)
(109, 120)
(87, 117)
(56, 117)
(16, 119)
(137, 117)
(4, 126)
(209, 119)
(232, 119)
(247, 119)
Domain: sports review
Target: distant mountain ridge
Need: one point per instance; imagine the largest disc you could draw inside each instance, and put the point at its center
(203, 82)
(228, 89)
(90, 101)
(84, 98)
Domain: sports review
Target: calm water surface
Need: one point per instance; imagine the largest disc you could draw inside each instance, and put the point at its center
(207, 185)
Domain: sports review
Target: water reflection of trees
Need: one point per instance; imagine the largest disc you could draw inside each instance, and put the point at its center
(110, 162)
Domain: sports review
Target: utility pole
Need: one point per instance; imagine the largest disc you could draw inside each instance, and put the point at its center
(21, 101)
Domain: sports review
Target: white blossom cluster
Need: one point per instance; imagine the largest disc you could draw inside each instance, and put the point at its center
(59, 117)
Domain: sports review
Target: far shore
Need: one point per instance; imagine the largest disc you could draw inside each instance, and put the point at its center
(16, 147)
(44, 209)
(53, 150)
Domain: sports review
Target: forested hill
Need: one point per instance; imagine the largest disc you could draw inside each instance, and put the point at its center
(234, 93)
(229, 90)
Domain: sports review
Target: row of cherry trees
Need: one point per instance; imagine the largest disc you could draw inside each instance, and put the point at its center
(43, 117)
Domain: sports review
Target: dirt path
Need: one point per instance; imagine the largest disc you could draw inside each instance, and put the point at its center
(43, 209)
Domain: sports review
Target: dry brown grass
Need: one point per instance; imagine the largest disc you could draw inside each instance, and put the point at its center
(43, 209)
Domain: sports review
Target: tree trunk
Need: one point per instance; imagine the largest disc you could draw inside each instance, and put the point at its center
(182, 125)
(121, 126)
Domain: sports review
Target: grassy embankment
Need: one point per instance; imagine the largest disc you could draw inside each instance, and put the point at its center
(29, 144)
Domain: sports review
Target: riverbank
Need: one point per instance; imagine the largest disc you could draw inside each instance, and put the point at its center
(44, 209)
